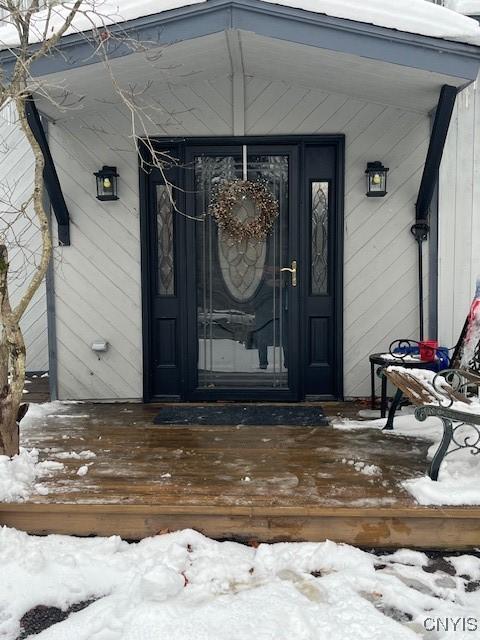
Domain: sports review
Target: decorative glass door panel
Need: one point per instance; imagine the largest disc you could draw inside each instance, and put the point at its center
(242, 294)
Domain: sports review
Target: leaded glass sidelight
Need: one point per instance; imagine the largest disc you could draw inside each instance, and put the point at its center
(319, 248)
(165, 243)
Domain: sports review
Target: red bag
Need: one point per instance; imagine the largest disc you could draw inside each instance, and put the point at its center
(428, 350)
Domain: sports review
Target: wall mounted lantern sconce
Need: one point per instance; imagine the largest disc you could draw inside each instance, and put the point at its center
(107, 180)
(376, 179)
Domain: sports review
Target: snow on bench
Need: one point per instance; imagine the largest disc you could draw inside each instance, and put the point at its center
(448, 395)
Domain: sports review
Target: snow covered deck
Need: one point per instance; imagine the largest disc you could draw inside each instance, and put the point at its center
(123, 475)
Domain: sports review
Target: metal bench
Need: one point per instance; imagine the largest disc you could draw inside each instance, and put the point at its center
(446, 395)
(401, 359)
(400, 353)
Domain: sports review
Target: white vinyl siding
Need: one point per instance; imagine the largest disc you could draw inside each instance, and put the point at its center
(459, 216)
(16, 176)
(98, 277)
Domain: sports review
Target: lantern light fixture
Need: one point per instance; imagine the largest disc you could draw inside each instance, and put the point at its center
(107, 179)
(376, 179)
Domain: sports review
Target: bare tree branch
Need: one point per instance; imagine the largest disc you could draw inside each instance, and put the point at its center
(25, 237)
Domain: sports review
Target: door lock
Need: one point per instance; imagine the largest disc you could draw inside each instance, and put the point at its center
(293, 271)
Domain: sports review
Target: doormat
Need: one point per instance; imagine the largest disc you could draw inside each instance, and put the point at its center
(248, 414)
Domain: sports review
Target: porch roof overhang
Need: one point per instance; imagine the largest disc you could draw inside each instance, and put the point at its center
(274, 41)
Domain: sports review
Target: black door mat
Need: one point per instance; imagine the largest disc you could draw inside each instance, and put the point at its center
(248, 414)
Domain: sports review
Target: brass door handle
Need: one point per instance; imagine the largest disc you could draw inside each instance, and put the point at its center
(293, 271)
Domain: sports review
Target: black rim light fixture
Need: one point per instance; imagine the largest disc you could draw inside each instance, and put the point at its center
(107, 182)
(376, 179)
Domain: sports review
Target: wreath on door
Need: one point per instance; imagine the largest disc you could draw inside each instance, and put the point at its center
(229, 195)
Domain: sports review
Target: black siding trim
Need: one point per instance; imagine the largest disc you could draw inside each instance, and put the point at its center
(443, 116)
(50, 176)
(145, 280)
(339, 264)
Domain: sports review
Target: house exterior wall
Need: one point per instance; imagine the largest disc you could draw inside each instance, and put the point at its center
(459, 206)
(24, 242)
(97, 280)
(459, 216)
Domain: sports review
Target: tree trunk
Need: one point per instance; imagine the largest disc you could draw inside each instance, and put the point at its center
(12, 366)
(9, 429)
(12, 346)
(12, 393)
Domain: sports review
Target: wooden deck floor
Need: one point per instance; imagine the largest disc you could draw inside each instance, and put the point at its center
(262, 483)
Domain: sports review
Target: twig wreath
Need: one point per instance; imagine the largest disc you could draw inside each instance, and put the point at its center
(229, 194)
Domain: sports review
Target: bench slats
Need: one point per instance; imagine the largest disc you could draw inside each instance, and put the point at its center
(420, 393)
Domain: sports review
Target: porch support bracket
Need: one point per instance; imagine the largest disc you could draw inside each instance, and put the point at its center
(50, 176)
(421, 228)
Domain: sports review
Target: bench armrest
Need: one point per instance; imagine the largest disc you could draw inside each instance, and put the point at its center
(455, 384)
(437, 411)
(461, 430)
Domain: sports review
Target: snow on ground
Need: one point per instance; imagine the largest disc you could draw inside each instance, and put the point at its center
(363, 467)
(73, 455)
(83, 470)
(183, 586)
(459, 479)
(38, 414)
(412, 16)
(19, 475)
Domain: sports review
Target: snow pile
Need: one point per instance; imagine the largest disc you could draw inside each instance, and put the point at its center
(73, 455)
(363, 467)
(458, 485)
(412, 16)
(83, 470)
(467, 7)
(183, 586)
(38, 414)
(459, 479)
(19, 474)
(405, 424)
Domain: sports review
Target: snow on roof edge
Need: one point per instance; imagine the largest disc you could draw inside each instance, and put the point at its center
(467, 7)
(419, 17)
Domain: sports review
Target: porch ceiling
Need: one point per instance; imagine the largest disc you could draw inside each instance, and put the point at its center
(251, 55)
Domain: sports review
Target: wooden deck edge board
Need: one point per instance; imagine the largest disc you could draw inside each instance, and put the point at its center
(386, 532)
(250, 511)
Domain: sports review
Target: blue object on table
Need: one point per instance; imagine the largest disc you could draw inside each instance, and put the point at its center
(442, 358)
(415, 351)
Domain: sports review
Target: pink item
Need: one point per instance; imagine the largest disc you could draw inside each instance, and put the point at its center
(473, 331)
